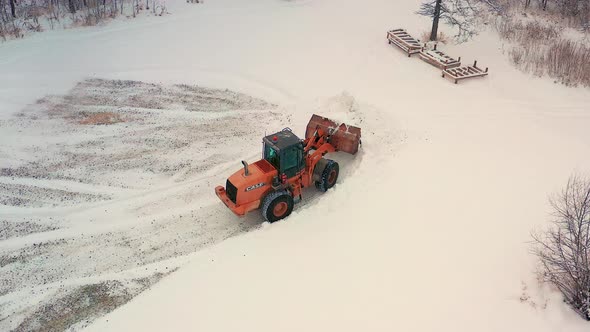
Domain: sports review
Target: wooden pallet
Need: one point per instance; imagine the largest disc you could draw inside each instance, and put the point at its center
(439, 59)
(460, 73)
(401, 39)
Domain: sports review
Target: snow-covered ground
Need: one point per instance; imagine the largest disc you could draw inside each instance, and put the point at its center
(82, 202)
(427, 230)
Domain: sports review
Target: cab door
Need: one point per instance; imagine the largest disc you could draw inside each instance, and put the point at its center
(292, 160)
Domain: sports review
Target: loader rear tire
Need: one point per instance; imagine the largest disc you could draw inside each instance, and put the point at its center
(277, 205)
(329, 176)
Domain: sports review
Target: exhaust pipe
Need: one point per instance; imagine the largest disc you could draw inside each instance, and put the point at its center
(246, 172)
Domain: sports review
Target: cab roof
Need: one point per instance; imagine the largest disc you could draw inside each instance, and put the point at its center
(282, 139)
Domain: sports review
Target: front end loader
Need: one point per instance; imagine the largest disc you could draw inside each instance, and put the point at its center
(274, 183)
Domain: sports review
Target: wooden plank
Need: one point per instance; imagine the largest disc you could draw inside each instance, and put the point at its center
(439, 59)
(400, 45)
(408, 43)
(404, 41)
(400, 34)
(466, 72)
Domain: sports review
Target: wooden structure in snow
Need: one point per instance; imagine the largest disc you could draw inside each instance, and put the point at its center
(439, 59)
(460, 73)
(401, 39)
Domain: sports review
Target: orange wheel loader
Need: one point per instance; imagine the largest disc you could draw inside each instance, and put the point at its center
(289, 164)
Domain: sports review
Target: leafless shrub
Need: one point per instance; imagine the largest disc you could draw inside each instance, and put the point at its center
(160, 10)
(441, 38)
(564, 248)
(14, 30)
(3, 32)
(529, 58)
(35, 15)
(525, 32)
(517, 56)
(569, 61)
(571, 13)
(564, 60)
(539, 49)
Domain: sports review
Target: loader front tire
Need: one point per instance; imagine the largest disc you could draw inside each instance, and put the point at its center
(277, 205)
(329, 176)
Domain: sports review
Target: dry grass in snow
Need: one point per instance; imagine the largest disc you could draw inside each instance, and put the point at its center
(442, 37)
(102, 118)
(540, 49)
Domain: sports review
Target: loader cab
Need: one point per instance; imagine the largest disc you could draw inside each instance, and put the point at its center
(284, 150)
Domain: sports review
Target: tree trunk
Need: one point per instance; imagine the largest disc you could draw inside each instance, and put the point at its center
(12, 9)
(72, 7)
(435, 18)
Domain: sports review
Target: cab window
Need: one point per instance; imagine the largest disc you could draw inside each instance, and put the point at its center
(272, 156)
(291, 158)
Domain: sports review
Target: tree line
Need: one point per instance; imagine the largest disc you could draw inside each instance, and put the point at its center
(19, 16)
(463, 15)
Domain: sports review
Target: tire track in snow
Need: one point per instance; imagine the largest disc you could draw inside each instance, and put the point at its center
(161, 208)
(157, 161)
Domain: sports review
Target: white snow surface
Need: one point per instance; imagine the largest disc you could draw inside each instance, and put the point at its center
(429, 226)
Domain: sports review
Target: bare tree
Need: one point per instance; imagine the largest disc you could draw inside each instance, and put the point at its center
(460, 14)
(72, 6)
(435, 19)
(12, 8)
(17, 17)
(563, 249)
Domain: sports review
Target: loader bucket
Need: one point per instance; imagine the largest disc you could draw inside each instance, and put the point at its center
(342, 136)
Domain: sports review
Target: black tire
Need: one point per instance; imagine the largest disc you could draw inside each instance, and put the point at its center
(277, 205)
(329, 176)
